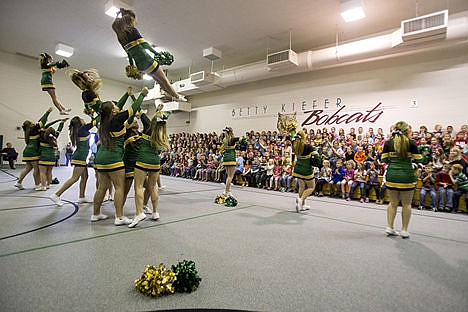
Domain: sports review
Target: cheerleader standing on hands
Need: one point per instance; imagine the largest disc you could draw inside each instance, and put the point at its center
(48, 69)
(109, 159)
(79, 136)
(306, 158)
(32, 151)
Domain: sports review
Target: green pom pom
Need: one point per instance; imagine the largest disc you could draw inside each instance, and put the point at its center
(231, 202)
(164, 58)
(187, 279)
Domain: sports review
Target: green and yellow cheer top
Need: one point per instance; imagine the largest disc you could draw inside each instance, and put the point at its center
(32, 150)
(304, 166)
(400, 173)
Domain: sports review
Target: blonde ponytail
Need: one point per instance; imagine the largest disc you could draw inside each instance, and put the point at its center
(401, 139)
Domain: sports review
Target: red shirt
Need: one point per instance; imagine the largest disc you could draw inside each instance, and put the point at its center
(441, 178)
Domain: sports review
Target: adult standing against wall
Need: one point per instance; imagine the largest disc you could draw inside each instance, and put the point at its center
(398, 153)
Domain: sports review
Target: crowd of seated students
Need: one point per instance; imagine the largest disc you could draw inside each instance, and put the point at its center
(350, 161)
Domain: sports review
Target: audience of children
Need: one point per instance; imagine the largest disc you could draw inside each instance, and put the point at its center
(267, 162)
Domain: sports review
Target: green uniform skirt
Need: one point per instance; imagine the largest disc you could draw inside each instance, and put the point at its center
(148, 156)
(144, 62)
(46, 80)
(108, 159)
(229, 156)
(47, 157)
(32, 150)
(81, 153)
(131, 150)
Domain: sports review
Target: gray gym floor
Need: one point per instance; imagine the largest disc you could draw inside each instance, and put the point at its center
(258, 256)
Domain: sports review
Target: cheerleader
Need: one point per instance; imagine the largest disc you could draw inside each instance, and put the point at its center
(398, 153)
(47, 158)
(131, 149)
(48, 69)
(306, 159)
(32, 151)
(90, 83)
(228, 149)
(154, 139)
(79, 136)
(109, 158)
(136, 47)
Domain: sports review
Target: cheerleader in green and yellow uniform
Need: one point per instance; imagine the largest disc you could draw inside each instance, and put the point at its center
(306, 159)
(32, 150)
(90, 83)
(131, 148)
(399, 153)
(228, 149)
(136, 47)
(79, 136)
(48, 69)
(153, 140)
(47, 159)
(109, 158)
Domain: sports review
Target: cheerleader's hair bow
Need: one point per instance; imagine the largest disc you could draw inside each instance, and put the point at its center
(227, 129)
(396, 131)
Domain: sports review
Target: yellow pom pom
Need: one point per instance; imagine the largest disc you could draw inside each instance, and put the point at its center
(133, 72)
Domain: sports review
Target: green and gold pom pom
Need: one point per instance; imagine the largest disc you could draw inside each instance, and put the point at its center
(164, 58)
(156, 281)
(133, 72)
(187, 279)
(220, 199)
(231, 202)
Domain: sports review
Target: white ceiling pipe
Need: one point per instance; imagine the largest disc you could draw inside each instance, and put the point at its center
(374, 48)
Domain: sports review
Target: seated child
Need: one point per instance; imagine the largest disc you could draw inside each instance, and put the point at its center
(428, 186)
(460, 180)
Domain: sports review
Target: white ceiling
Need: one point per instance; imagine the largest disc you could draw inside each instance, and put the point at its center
(244, 30)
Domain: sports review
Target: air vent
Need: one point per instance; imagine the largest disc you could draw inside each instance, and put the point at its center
(186, 87)
(177, 107)
(431, 25)
(203, 78)
(282, 59)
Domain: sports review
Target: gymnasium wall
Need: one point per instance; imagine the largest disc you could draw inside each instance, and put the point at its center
(423, 89)
(22, 98)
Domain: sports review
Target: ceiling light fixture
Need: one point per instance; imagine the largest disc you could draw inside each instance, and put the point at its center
(112, 7)
(63, 50)
(352, 10)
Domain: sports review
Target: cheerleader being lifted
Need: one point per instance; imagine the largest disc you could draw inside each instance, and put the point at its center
(48, 69)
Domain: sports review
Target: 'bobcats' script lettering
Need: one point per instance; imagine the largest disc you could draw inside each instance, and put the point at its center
(317, 118)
